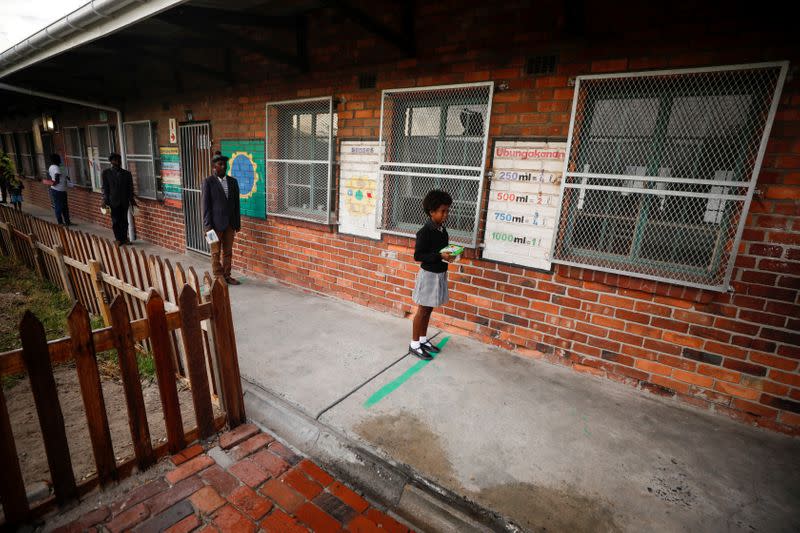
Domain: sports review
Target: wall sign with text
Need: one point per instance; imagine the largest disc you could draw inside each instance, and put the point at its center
(358, 188)
(523, 202)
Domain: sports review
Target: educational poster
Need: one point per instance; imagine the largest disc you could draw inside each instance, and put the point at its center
(523, 202)
(358, 188)
(246, 164)
(171, 175)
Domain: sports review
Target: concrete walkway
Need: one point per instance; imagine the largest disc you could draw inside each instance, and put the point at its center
(540, 444)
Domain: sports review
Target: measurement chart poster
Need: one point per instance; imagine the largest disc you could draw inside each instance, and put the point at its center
(523, 202)
(171, 175)
(358, 188)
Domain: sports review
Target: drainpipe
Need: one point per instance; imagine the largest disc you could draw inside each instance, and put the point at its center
(50, 96)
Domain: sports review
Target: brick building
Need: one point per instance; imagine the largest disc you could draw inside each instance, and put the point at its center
(665, 253)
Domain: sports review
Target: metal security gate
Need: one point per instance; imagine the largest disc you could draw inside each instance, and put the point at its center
(195, 143)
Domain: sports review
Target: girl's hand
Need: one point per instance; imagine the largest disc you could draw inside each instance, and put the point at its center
(446, 256)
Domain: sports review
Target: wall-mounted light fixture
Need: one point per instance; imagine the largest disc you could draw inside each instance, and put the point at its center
(48, 122)
(189, 115)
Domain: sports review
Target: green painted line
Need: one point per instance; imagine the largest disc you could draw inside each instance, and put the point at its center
(392, 386)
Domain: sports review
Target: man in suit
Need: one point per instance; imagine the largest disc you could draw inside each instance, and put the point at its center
(118, 195)
(221, 213)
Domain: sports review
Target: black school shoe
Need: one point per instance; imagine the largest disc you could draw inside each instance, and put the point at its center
(421, 353)
(430, 348)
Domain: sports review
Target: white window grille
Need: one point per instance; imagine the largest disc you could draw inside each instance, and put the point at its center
(75, 156)
(140, 156)
(101, 145)
(23, 141)
(661, 168)
(299, 138)
(434, 138)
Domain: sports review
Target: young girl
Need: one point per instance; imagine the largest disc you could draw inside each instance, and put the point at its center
(431, 288)
(15, 187)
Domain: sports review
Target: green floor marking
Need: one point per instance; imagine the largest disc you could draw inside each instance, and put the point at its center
(390, 387)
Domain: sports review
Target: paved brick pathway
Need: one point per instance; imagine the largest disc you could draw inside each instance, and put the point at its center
(244, 482)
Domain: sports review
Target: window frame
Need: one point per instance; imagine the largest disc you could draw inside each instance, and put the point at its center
(141, 158)
(30, 156)
(633, 185)
(97, 180)
(432, 96)
(293, 212)
(81, 159)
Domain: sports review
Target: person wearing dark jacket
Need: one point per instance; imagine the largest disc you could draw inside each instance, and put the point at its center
(118, 195)
(221, 214)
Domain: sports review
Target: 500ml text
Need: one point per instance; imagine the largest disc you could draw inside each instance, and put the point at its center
(538, 198)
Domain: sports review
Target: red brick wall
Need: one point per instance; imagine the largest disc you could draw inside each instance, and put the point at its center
(736, 354)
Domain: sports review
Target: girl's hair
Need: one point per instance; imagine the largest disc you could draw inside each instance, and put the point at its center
(434, 199)
(55, 159)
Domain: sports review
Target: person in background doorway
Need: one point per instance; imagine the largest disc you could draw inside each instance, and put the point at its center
(220, 203)
(58, 191)
(15, 187)
(430, 289)
(6, 173)
(118, 196)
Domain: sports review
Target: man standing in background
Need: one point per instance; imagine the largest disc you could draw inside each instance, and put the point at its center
(221, 213)
(118, 195)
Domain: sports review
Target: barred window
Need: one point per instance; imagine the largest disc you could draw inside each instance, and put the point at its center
(43, 152)
(300, 138)
(434, 138)
(23, 141)
(139, 157)
(75, 156)
(10, 149)
(101, 145)
(661, 170)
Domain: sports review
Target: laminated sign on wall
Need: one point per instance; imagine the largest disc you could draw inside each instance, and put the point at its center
(523, 202)
(359, 188)
(171, 175)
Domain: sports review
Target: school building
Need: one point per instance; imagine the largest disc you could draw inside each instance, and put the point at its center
(625, 175)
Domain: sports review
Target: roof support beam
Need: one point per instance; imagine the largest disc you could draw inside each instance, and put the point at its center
(404, 40)
(235, 39)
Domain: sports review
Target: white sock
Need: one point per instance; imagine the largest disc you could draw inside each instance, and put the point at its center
(423, 340)
(414, 344)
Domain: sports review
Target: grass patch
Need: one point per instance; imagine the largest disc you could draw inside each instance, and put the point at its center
(21, 290)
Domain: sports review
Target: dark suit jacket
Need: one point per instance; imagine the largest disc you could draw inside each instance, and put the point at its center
(117, 187)
(220, 212)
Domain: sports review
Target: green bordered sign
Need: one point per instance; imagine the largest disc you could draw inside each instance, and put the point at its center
(246, 164)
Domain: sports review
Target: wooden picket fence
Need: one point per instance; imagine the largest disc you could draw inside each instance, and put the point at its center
(201, 328)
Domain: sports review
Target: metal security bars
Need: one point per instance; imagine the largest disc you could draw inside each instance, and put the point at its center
(195, 150)
(434, 138)
(661, 168)
(101, 145)
(299, 140)
(10, 149)
(24, 143)
(75, 156)
(141, 162)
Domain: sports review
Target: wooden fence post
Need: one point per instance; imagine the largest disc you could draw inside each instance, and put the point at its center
(165, 371)
(9, 238)
(99, 291)
(62, 271)
(80, 331)
(12, 489)
(126, 351)
(228, 359)
(193, 342)
(43, 385)
(38, 260)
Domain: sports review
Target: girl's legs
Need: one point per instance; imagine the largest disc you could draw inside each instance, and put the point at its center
(421, 320)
